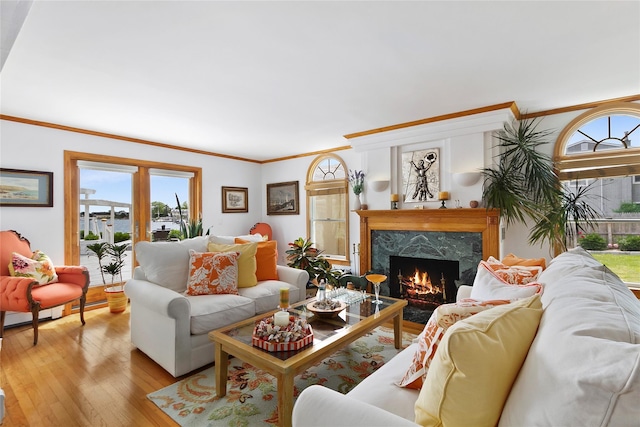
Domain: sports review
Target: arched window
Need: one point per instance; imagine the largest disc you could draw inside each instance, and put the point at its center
(598, 156)
(327, 207)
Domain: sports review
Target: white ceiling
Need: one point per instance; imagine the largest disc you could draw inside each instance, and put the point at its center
(264, 80)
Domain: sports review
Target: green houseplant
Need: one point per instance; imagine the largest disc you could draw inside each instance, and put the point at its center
(189, 227)
(524, 185)
(116, 297)
(304, 256)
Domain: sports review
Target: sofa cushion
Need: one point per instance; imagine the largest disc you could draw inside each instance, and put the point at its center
(584, 364)
(230, 240)
(477, 362)
(209, 312)
(267, 294)
(489, 285)
(380, 389)
(212, 273)
(266, 259)
(39, 267)
(441, 319)
(167, 263)
(246, 262)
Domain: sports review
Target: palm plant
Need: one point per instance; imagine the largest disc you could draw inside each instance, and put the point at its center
(117, 254)
(189, 227)
(524, 185)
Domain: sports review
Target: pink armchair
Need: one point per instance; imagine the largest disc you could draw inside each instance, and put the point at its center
(24, 294)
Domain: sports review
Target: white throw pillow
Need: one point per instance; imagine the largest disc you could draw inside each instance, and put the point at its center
(167, 263)
(489, 286)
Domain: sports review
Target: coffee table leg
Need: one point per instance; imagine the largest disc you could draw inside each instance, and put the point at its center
(285, 399)
(222, 369)
(397, 330)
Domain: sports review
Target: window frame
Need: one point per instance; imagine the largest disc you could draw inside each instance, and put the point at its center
(314, 187)
(141, 204)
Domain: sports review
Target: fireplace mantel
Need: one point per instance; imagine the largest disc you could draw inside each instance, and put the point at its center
(485, 221)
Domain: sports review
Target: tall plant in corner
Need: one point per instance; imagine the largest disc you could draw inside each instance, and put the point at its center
(524, 185)
(189, 227)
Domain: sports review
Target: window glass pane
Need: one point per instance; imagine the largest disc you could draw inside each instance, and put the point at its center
(105, 212)
(328, 224)
(164, 206)
(329, 169)
(608, 133)
(618, 201)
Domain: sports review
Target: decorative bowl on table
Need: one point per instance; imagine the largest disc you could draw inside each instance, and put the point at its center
(326, 308)
(271, 337)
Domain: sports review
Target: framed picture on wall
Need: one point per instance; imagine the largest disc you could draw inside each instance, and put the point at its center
(421, 175)
(282, 198)
(235, 199)
(26, 188)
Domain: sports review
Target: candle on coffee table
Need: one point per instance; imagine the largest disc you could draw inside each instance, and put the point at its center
(281, 318)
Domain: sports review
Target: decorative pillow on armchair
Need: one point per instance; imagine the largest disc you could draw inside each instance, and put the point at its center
(212, 273)
(442, 318)
(39, 267)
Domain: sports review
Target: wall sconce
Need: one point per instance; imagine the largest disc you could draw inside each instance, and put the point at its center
(466, 179)
(379, 185)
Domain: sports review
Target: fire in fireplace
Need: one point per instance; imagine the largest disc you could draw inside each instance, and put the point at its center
(424, 283)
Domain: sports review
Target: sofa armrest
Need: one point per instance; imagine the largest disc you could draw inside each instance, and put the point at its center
(464, 291)
(158, 299)
(294, 276)
(319, 406)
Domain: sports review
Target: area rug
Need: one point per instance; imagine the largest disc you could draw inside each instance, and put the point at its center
(252, 394)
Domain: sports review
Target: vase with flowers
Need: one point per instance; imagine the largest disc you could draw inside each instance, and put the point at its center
(356, 179)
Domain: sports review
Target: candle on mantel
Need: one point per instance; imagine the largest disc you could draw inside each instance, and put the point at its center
(443, 195)
(394, 197)
(281, 318)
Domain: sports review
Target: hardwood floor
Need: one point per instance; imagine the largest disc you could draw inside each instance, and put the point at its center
(81, 375)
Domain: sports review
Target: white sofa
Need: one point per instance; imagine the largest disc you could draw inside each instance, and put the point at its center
(582, 369)
(171, 327)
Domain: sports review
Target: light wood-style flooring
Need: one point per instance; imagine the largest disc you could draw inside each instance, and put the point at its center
(81, 375)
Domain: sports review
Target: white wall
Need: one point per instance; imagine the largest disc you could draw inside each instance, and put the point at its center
(29, 147)
(38, 148)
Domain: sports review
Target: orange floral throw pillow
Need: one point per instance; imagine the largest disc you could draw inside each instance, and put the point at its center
(39, 267)
(513, 274)
(511, 260)
(442, 318)
(212, 273)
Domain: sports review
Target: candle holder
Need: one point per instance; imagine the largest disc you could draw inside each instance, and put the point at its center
(394, 205)
(442, 196)
(394, 201)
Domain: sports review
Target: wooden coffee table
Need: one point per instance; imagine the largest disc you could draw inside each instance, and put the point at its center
(329, 335)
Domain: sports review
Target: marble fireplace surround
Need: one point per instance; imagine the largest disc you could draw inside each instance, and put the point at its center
(464, 235)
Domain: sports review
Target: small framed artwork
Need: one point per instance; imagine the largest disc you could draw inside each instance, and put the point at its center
(235, 199)
(26, 188)
(421, 175)
(282, 198)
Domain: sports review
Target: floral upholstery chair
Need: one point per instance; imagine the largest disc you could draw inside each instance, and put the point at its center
(24, 294)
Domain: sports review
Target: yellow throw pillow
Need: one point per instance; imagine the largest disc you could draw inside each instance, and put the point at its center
(476, 364)
(266, 259)
(246, 261)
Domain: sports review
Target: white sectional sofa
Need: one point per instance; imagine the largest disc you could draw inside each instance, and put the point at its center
(171, 327)
(582, 368)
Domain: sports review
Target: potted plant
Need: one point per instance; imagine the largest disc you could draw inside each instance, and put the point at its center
(189, 227)
(116, 297)
(304, 256)
(356, 179)
(524, 185)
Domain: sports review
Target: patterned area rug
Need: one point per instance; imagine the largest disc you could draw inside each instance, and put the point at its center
(252, 396)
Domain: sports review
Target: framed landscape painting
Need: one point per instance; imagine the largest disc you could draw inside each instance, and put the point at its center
(235, 199)
(282, 198)
(26, 188)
